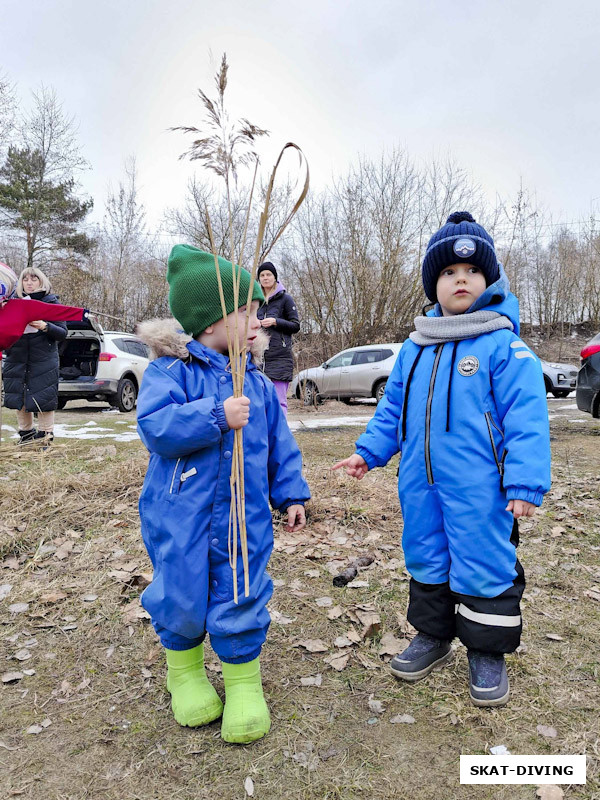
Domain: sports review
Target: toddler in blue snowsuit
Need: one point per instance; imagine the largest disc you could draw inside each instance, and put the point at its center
(466, 406)
(186, 418)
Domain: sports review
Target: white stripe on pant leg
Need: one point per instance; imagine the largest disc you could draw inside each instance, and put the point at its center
(489, 619)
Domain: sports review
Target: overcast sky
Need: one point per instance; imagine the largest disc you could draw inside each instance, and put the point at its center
(510, 88)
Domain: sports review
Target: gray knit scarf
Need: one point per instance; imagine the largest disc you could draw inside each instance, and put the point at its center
(437, 330)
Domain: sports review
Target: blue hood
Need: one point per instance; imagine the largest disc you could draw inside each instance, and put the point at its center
(497, 297)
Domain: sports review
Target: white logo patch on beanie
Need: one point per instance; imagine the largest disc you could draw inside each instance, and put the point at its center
(464, 247)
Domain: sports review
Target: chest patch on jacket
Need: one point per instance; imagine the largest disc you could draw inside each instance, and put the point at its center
(468, 366)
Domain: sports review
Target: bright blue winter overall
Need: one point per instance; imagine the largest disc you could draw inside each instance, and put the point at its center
(185, 501)
(470, 418)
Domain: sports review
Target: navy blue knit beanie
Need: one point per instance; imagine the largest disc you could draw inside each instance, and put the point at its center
(460, 239)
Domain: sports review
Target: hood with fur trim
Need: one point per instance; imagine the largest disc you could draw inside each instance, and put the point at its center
(165, 337)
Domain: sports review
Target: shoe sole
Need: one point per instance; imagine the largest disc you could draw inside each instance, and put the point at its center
(413, 677)
(498, 701)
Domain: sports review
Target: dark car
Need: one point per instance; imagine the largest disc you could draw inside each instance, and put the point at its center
(588, 379)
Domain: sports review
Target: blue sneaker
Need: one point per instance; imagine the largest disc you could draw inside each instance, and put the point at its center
(488, 681)
(422, 655)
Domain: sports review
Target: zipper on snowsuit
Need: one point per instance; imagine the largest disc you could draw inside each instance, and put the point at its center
(438, 354)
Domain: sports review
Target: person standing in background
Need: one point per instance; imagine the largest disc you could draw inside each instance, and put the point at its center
(31, 368)
(279, 317)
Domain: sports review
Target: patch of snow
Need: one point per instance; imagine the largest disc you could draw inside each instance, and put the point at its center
(568, 408)
(582, 421)
(110, 411)
(326, 422)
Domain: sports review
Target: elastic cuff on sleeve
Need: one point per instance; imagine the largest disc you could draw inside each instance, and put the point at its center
(528, 495)
(221, 419)
(289, 503)
(368, 457)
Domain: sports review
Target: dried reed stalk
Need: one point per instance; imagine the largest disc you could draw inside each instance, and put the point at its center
(218, 153)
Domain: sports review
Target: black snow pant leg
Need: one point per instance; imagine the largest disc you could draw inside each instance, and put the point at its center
(492, 624)
(431, 609)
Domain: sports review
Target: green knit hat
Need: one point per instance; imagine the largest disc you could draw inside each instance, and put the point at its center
(194, 290)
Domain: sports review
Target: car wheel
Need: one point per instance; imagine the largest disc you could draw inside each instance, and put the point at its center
(62, 402)
(595, 407)
(379, 390)
(561, 392)
(547, 384)
(309, 390)
(126, 395)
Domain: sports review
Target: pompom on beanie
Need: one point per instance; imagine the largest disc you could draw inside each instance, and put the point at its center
(461, 239)
(194, 289)
(8, 281)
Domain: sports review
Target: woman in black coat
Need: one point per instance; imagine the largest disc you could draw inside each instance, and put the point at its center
(31, 365)
(279, 318)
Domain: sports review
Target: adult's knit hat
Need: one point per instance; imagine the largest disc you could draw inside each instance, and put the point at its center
(194, 290)
(267, 265)
(460, 239)
(8, 281)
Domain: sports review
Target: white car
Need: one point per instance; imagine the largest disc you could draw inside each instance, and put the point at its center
(560, 379)
(356, 372)
(101, 365)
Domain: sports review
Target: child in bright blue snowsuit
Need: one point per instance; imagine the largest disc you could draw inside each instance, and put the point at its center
(185, 501)
(466, 406)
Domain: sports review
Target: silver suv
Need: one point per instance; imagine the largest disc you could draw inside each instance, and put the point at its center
(560, 379)
(101, 365)
(356, 372)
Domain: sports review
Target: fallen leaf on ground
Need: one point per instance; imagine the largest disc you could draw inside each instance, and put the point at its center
(249, 786)
(357, 585)
(23, 654)
(12, 677)
(53, 597)
(63, 551)
(335, 612)
(593, 593)
(338, 662)
(402, 718)
(554, 637)
(18, 608)
(314, 645)
(34, 729)
(89, 598)
(390, 645)
(547, 731)
(312, 680)
(353, 636)
(550, 792)
(324, 602)
(5, 590)
(376, 706)
(342, 641)
(280, 618)
(133, 612)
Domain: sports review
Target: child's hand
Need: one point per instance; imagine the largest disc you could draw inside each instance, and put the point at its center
(520, 508)
(296, 518)
(237, 411)
(355, 466)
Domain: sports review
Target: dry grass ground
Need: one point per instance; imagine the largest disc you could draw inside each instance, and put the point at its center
(70, 549)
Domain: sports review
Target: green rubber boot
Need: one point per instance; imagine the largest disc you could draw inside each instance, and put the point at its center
(193, 698)
(246, 716)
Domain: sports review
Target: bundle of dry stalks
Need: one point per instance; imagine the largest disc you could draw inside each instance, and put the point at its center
(226, 148)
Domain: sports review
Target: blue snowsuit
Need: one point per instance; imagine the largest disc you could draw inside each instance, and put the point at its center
(185, 501)
(470, 418)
